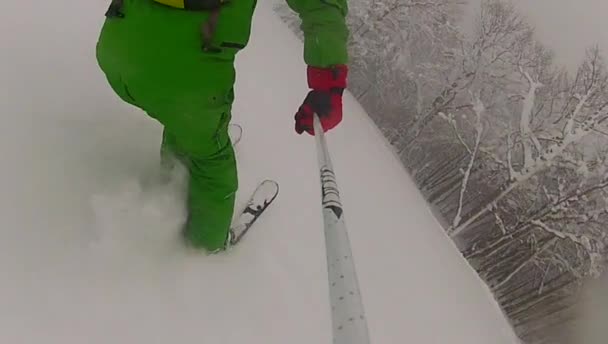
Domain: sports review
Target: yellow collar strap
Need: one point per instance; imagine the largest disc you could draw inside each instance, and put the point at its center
(193, 5)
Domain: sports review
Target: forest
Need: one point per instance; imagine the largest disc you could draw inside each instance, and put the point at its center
(508, 147)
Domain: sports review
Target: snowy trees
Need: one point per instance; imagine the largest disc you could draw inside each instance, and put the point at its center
(580, 112)
(508, 146)
(546, 161)
(527, 203)
(392, 42)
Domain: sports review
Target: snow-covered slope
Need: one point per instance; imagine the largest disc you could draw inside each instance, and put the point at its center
(88, 236)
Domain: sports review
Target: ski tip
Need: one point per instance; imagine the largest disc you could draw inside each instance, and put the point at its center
(235, 131)
(271, 182)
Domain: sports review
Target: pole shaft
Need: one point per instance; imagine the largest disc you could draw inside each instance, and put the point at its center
(349, 324)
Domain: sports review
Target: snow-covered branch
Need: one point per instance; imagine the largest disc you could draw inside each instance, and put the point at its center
(526, 262)
(512, 173)
(527, 135)
(580, 240)
(478, 108)
(450, 119)
(499, 222)
(582, 100)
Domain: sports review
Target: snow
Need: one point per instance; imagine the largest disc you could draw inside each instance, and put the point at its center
(89, 249)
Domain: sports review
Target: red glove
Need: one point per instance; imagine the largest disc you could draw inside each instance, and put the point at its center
(325, 99)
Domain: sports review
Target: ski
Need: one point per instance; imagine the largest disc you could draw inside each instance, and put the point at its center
(262, 197)
(235, 132)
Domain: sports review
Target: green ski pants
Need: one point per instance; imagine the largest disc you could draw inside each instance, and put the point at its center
(152, 59)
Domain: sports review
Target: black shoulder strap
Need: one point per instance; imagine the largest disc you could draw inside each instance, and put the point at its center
(114, 11)
(208, 30)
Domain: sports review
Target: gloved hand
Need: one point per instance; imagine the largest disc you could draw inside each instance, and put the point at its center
(325, 98)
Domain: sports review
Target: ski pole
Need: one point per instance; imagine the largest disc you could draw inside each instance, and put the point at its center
(349, 325)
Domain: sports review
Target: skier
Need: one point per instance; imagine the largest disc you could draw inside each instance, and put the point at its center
(174, 59)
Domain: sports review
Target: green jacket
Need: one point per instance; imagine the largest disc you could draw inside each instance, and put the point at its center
(155, 46)
(160, 26)
(325, 30)
(153, 56)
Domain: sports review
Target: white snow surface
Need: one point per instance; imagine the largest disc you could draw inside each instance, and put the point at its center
(89, 249)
